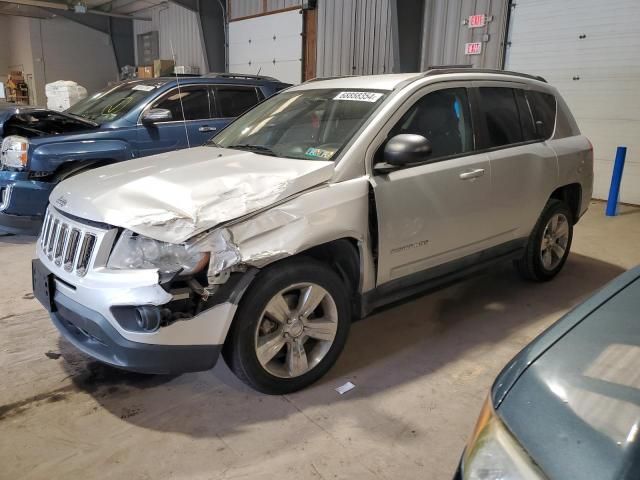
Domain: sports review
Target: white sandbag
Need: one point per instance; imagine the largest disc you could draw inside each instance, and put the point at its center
(63, 94)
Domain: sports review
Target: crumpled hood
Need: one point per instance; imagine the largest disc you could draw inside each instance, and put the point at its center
(173, 196)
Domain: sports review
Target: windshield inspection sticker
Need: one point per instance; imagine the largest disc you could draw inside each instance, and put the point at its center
(319, 152)
(144, 88)
(358, 96)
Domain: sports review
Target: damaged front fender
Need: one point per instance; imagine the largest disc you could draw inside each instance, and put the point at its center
(308, 220)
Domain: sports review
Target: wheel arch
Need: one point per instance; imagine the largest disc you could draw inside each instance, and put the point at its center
(71, 168)
(342, 255)
(571, 194)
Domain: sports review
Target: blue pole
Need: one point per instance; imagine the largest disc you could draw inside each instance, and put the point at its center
(616, 178)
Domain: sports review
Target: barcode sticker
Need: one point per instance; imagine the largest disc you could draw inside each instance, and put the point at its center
(358, 96)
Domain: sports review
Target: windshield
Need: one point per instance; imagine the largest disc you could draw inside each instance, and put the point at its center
(307, 124)
(111, 104)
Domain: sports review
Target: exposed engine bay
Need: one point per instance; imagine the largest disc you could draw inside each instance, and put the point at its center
(39, 123)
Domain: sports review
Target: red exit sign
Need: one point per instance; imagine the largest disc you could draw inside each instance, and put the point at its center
(474, 48)
(476, 21)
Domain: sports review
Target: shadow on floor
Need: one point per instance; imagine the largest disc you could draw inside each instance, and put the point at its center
(11, 239)
(384, 351)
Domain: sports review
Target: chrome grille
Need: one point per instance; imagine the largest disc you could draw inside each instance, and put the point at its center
(66, 243)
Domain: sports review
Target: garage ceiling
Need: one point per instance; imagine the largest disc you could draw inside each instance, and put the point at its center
(119, 8)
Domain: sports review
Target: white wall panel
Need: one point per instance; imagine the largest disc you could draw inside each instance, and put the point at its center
(269, 45)
(177, 26)
(598, 75)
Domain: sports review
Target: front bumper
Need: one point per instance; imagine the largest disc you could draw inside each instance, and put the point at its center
(22, 202)
(91, 333)
(88, 308)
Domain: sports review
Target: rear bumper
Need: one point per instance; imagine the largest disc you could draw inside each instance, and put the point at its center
(91, 333)
(22, 202)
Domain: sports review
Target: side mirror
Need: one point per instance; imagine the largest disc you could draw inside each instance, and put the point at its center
(156, 115)
(405, 149)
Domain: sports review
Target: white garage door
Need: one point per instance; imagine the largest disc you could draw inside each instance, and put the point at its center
(269, 45)
(589, 50)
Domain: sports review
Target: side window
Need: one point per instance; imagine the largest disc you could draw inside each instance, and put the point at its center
(444, 118)
(498, 106)
(233, 101)
(526, 117)
(194, 100)
(543, 107)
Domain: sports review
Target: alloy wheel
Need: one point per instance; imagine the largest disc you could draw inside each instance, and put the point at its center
(296, 330)
(554, 241)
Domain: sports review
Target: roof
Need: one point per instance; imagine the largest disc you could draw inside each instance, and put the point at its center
(234, 80)
(393, 80)
(374, 82)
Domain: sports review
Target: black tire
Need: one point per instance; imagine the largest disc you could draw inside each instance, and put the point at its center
(239, 350)
(530, 266)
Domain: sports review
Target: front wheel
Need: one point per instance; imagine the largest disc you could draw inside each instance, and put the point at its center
(549, 243)
(290, 327)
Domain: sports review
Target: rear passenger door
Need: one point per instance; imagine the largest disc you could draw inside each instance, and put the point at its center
(524, 168)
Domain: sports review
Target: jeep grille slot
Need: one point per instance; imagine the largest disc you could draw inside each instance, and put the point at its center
(72, 249)
(67, 243)
(60, 244)
(88, 242)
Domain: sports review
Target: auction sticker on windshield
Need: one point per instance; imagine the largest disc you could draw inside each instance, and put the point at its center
(358, 96)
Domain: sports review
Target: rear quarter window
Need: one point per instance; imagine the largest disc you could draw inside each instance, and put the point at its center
(234, 101)
(543, 108)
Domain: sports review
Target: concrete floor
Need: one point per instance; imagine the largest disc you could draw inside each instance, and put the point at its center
(421, 370)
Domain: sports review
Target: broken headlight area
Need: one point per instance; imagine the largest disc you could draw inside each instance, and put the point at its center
(198, 274)
(133, 251)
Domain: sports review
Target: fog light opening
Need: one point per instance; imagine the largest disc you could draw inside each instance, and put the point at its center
(148, 318)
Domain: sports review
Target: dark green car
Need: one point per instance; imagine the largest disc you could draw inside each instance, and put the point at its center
(568, 405)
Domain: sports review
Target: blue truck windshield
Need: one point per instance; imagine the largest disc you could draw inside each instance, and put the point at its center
(112, 104)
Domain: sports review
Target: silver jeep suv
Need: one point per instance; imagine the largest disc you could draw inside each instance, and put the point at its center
(319, 205)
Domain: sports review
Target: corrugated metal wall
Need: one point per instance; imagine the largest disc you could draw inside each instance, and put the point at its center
(245, 8)
(355, 37)
(178, 26)
(444, 33)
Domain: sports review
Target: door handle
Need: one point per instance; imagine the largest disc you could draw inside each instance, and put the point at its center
(478, 172)
(207, 129)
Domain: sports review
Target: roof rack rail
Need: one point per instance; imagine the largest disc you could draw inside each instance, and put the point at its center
(246, 76)
(439, 70)
(441, 67)
(318, 79)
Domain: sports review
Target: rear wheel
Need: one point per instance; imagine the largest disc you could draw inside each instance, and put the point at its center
(290, 327)
(549, 243)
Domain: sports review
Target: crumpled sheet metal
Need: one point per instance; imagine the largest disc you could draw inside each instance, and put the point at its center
(315, 217)
(173, 197)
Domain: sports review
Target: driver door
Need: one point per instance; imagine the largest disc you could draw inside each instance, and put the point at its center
(433, 213)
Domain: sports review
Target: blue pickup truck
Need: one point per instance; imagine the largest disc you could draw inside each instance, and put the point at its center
(133, 119)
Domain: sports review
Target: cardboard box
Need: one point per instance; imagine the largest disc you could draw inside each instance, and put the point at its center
(145, 72)
(186, 70)
(163, 68)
